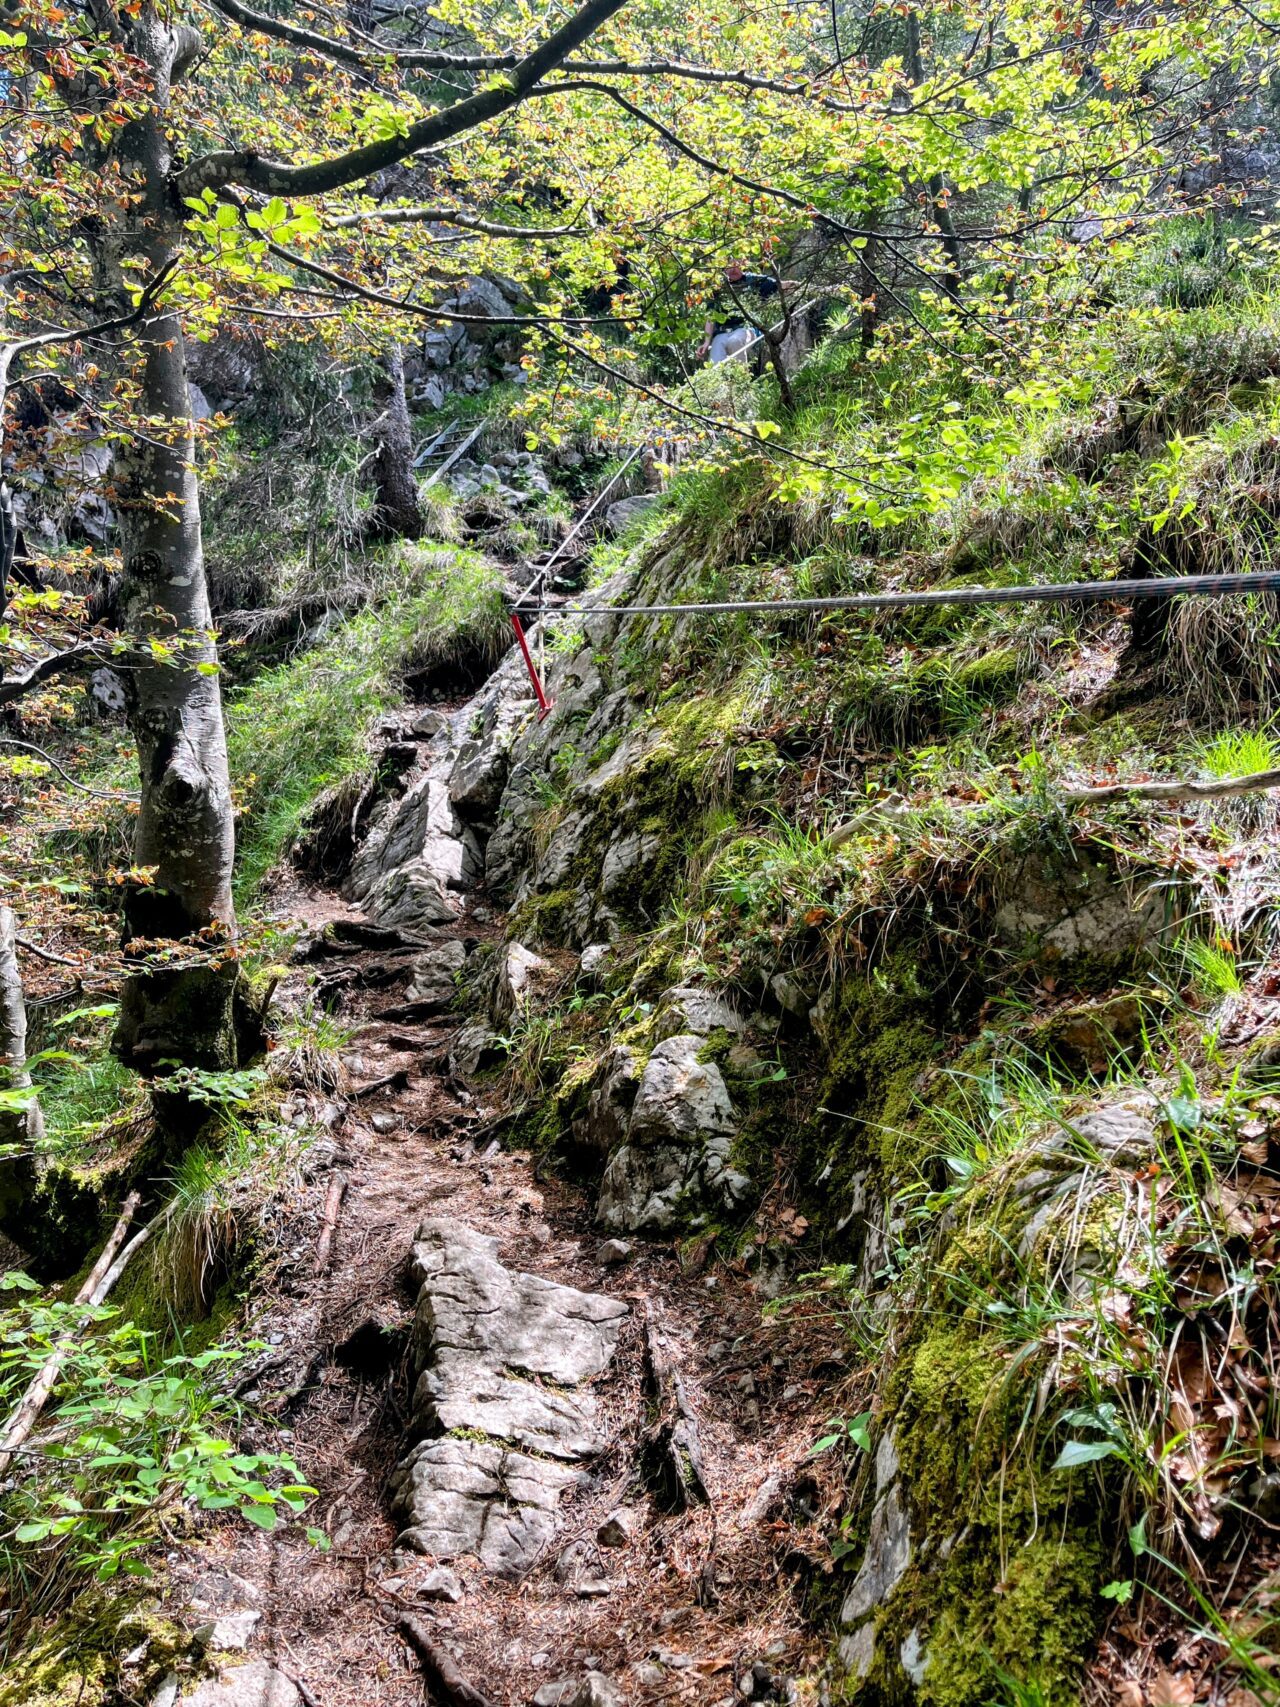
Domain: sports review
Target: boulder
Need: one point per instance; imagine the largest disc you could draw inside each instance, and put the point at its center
(679, 1095)
(620, 515)
(674, 1160)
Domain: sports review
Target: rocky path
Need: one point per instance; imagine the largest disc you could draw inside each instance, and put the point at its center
(574, 1462)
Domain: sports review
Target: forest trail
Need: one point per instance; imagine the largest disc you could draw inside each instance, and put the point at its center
(695, 1606)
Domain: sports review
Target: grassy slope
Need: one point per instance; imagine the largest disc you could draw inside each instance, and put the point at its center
(950, 1058)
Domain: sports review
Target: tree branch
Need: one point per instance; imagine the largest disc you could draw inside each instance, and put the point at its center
(74, 658)
(274, 177)
(452, 216)
(374, 55)
(1218, 789)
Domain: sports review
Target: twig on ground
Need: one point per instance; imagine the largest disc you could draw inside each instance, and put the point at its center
(442, 1675)
(329, 1220)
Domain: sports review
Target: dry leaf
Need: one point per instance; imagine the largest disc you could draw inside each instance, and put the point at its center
(1129, 1693)
(1166, 1690)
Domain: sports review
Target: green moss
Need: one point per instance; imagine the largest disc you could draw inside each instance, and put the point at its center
(881, 1037)
(76, 1660)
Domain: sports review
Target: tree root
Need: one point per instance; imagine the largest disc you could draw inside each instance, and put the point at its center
(443, 1676)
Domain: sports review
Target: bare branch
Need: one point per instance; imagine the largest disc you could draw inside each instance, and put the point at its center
(75, 658)
(453, 216)
(1218, 789)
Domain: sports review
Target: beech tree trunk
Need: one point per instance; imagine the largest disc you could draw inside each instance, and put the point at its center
(20, 1128)
(185, 836)
(396, 514)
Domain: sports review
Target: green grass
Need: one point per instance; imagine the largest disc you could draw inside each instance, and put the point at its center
(1240, 752)
(299, 728)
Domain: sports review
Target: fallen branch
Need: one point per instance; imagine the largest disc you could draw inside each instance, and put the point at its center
(329, 1220)
(672, 1452)
(1215, 790)
(443, 1677)
(101, 1278)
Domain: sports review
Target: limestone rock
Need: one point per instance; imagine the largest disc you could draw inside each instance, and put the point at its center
(474, 1047)
(675, 1156)
(434, 975)
(522, 976)
(480, 1330)
(604, 1125)
(1071, 910)
(593, 962)
(229, 1633)
(468, 1496)
(612, 1252)
(628, 859)
(619, 516)
(257, 1683)
(680, 1096)
(470, 1307)
(483, 764)
(618, 1528)
(887, 1556)
(695, 1011)
(596, 1690)
(441, 1584)
(410, 896)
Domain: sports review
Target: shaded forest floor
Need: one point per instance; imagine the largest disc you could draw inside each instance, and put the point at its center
(694, 1600)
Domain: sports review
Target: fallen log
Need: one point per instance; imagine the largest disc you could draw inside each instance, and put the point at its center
(1218, 789)
(443, 1677)
(101, 1278)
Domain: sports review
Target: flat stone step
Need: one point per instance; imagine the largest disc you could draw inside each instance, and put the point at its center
(487, 1340)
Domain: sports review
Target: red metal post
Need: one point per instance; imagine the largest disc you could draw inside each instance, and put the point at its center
(544, 704)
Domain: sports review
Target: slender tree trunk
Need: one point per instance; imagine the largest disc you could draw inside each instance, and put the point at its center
(20, 1128)
(185, 834)
(396, 514)
(937, 184)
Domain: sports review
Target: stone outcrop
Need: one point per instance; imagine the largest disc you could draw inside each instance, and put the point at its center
(502, 1444)
(674, 1157)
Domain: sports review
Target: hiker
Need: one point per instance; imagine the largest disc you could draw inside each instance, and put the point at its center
(727, 332)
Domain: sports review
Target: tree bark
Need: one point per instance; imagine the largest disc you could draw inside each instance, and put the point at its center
(396, 514)
(185, 834)
(937, 185)
(20, 1128)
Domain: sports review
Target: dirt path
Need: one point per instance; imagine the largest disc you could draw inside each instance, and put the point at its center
(693, 1600)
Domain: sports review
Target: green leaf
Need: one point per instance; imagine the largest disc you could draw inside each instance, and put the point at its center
(260, 1516)
(1084, 1452)
(1121, 1591)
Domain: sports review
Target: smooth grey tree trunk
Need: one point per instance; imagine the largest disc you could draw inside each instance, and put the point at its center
(185, 834)
(20, 1128)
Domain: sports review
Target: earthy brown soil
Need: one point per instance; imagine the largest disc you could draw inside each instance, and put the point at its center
(694, 1599)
